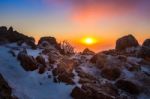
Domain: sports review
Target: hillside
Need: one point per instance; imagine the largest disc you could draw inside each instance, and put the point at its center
(50, 70)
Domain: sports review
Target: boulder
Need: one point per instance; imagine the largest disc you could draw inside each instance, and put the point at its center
(78, 93)
(31, 43)
(27, 62)
(67, 78)
(41, 69)
(64, 71)
(145, 49)
(3, 29)
(99, 59)
(111, 73)
(128, 86)
(88, 91)
(87, 52)
(48, 41)
(146, 43)
(126, 42)
(10, 36)
(40, 59)
(52, 58)
(5, 90)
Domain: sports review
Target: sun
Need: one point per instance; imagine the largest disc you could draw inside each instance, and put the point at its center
(89, 40)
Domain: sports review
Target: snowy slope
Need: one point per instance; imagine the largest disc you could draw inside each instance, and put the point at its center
(30, 85)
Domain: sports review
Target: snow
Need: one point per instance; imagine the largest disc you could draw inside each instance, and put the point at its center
(76, 79)
(134, 60)
(128, 74)
(30, 85)
(145, 69)
(33, 53)
(90, 69)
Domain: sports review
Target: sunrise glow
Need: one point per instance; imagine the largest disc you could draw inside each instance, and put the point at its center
(89, 41)
(95, 24)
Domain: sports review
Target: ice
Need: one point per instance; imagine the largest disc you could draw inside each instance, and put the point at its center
(128, 74)
(30, 85)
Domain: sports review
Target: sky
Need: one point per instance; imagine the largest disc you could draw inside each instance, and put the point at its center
(73, 20)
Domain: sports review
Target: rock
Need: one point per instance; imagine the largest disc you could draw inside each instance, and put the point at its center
(107, 91)
(67, 64)
(27, 62)
(111, 73)
(85, 77)
(3, 29)
(52, 58)
(41, 60)
(5, 90)
(99, 59)
(126, 42)
(47, 41)
(64, 71)
(145, 49)
(88, 91)
(144, 52)
(23, 52)
(134, 68)
(128, 86)
(41, 69)
(11, 36)
(146, 43)
(46, 51)
(78, 93)
(31, 43)
(66, 78)
(86, 80)
(87, 52)
(10, 29)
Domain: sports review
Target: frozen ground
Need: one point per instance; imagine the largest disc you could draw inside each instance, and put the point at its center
(30, 85)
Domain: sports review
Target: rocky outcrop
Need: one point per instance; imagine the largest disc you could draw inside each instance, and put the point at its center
(126, 42)
(47, 42)
(10, 36)
(41, 60)
(146, 43)
(64, 71)
(88, 91)
(27, 62)
(87, 52)
(145, 49)
(129, 86)
(5, 90)
(99, 59)
(111, 73)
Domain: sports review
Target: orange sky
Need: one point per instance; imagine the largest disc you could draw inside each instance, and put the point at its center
(72, 20)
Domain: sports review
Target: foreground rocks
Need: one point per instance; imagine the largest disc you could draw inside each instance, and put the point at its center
(129, 86)
(64, 71)
(5, 90)
(111, 73)
(27, 62)
(94, 92)
(145, 49)
(121, 73)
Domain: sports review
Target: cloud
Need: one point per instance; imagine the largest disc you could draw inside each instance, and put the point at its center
(93, 10)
